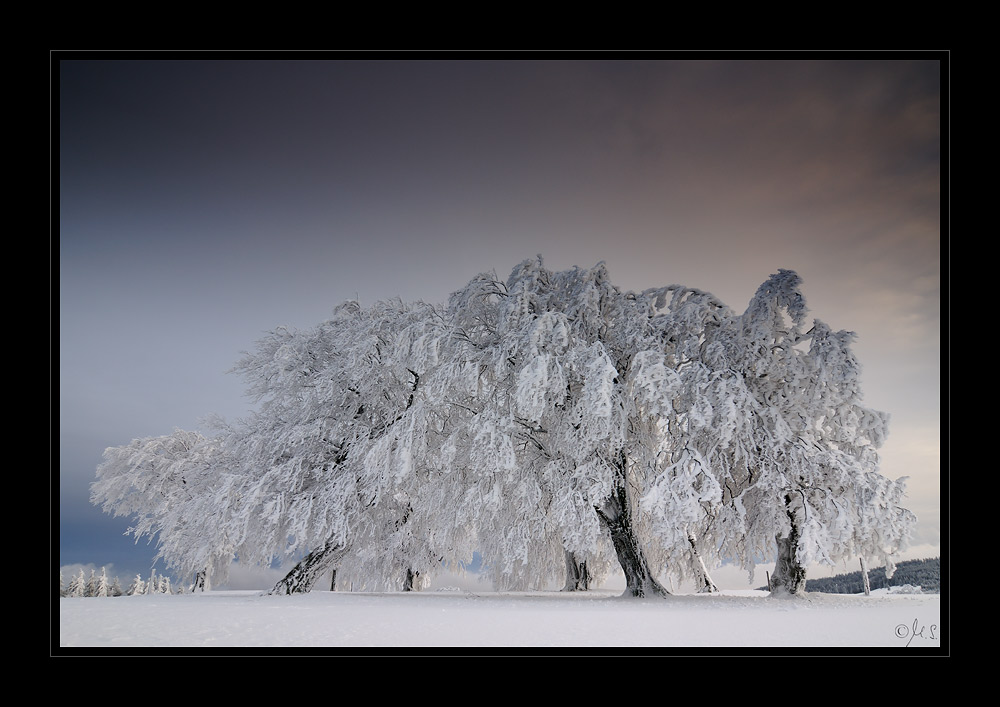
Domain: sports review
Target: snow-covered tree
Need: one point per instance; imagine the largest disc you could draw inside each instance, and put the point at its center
(554, 423)
(557, 455)
(689, 432)
(77, 586)
(176, 489)
(327, 461)
(102, 588)
(138, 586)
(801, 466)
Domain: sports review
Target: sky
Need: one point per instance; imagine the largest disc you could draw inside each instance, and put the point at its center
(202, 202)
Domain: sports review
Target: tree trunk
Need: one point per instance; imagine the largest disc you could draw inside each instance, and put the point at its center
(310, 568)
(411, 579)
(199, 581)
(864, 578)
(333, 580)
(577, 574)
(789, 575)
(616, 516)
(703, 579)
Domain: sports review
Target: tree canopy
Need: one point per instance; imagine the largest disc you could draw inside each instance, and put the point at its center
(553, 423)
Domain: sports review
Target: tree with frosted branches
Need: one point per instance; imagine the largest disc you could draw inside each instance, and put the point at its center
(175, 488)
(77, 586)
(102, 588)
(327, 463)
(800, 467)
(553, 422)
(138, 586)
(559, 433)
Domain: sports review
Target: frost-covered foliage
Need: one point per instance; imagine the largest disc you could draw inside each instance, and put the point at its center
(555, 424)
(797, 462)
(335, 455)
(174, 487)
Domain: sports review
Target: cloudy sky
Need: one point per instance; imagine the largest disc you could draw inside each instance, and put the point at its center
(205, 202)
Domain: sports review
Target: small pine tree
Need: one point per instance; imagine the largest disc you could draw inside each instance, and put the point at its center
(138, 587)
(77, 586)
(102, 589)
(116, 588)
(62, 585)
(91, 587)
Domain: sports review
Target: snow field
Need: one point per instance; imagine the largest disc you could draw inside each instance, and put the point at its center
(549, 620)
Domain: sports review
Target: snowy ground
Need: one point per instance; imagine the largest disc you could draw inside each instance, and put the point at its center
(461, 619)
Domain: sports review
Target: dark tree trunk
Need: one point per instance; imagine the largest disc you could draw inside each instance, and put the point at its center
(411, 578)
(310, 568)
(333, 580)
(577, 574)
(616, 516)
(789, 576)
(199, 581)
